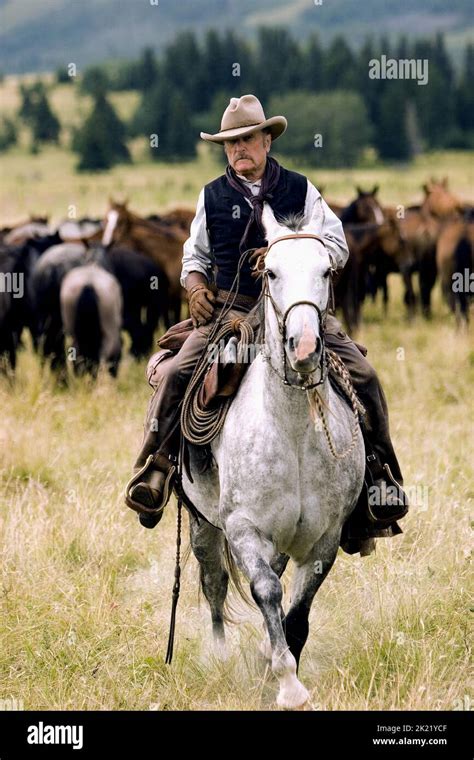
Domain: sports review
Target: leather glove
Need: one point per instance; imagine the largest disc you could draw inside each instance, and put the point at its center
(201, 304)
(254, 262)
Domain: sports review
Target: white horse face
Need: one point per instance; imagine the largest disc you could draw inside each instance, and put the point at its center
(298, 270)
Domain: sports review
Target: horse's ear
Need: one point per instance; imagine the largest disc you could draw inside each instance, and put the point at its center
(316, 221)
(272, 228)
(359, 190)
(426, 189)
(375, 190)
(445, 182)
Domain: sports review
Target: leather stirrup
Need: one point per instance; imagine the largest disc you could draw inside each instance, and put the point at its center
(136, 478)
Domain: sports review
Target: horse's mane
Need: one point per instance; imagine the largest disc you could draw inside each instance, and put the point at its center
(294, 222)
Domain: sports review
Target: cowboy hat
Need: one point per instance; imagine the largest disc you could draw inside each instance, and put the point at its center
(242, 117)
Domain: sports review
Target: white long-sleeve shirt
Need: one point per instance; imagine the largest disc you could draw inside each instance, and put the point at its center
(198, 256)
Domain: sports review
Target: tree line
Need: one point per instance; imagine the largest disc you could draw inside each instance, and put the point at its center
(336, 111)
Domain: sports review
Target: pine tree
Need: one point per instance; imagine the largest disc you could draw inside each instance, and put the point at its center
(313, 62)
(146, 70)
(340, 70)
(101, 140)
(278, 62)
(8, 135)
(36, 112)
(44, 124)
(95, 81)
(392, 140)
(182, 69)
(465, 93)
(180, 142)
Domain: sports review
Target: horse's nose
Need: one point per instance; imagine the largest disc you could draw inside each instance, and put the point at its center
(304, 349)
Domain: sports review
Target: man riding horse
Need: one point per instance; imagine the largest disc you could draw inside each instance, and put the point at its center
(226, 225)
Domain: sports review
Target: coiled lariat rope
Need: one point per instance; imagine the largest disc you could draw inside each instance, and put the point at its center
(339, 373)
(200, 426)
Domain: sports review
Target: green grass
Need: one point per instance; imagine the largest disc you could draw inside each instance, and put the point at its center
(85, 591)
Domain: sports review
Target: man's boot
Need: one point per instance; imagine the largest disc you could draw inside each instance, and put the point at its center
(386, 499)
(149, 490)
(381, 503)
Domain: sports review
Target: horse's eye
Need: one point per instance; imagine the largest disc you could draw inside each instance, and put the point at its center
(270, 274)
(327, 273)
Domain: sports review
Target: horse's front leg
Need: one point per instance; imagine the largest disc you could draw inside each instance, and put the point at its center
(208, 547)
(253, 554)
(307, 579)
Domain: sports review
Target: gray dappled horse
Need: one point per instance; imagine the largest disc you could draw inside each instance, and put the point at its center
(278, 489)
(91, 310)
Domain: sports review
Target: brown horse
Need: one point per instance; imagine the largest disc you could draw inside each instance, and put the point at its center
(364, 209)
(163, 243)
(439, 201)
(455, 262)
(420, 229)
(179, 217)
(375, 250)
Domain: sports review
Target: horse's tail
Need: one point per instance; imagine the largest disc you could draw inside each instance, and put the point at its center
(236, 584)
(87, 327)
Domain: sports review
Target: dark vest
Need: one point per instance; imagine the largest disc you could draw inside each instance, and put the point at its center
(227, 214)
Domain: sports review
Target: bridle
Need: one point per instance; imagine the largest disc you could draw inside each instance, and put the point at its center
(282, 317)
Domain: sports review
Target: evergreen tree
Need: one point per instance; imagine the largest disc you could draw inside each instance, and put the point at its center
(8, 135)
(214, 62)
(62, 75)
(44, 124)
(313, 65)
(100, 142)
(370, 89)
(465, 93)
(278, 62)
(182, 69)
(36, 112)
(392, 140)
(180, 141)
(95, 81)
(340, 68)
(146, 72)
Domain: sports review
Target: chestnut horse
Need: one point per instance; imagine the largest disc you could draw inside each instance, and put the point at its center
(161, 242)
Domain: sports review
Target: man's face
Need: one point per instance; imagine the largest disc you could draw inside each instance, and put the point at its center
(248, 154)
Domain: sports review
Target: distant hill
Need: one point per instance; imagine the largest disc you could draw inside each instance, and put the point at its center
(40, 35)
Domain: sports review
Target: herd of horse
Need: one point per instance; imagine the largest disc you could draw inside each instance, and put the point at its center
(77, 287)
(434, 239)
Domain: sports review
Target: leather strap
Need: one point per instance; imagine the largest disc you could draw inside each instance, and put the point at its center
(240, 300)
(297, 236)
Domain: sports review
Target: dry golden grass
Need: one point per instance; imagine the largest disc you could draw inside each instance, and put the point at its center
(85, 591)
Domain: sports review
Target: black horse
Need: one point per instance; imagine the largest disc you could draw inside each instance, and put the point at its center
(16, 264)
(144, 292)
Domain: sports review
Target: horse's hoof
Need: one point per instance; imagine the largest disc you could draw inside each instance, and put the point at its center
(221, 653)
(293, 698)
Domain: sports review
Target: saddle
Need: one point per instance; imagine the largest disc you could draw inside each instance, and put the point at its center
(223, 378)
(220, 382)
